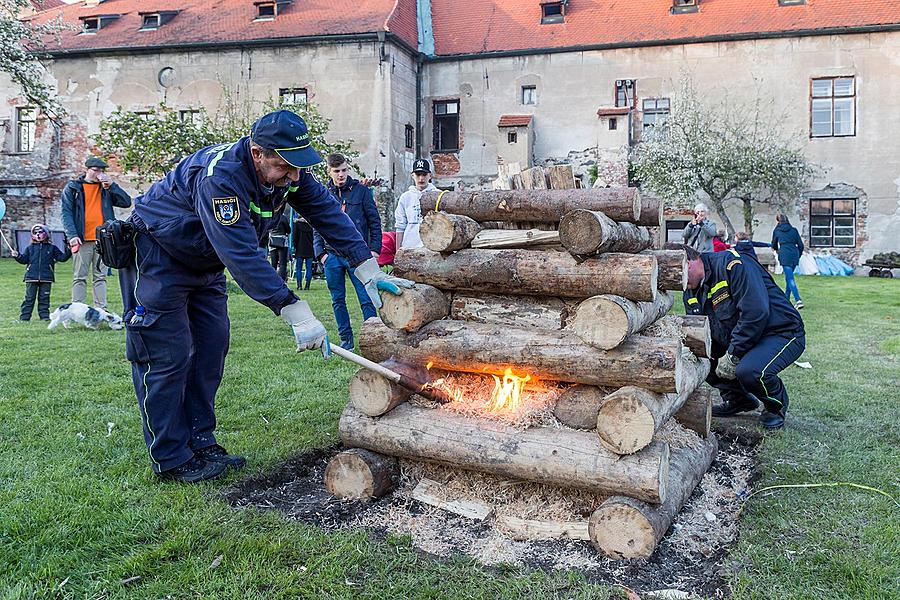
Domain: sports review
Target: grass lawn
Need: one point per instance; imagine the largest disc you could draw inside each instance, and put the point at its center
(80, 510)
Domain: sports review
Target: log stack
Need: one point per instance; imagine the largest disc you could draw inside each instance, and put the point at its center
(566, 302)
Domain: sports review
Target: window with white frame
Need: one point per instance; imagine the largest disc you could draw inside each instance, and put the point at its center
(26, 122)
(832, 223)
(625, 92)
(655, 111)
(149, 21)
(292, 95)
(446, 125)
(191, 115)
(529, 94)
(832, 108)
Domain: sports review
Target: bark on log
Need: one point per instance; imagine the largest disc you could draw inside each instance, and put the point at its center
(578, 406)
(415, 307)
(561, 177)
(652, 212)
(605, 321)
(696, 412)
(629, 417)
(672, 269)
(518, 311)
(374, 395)
(517, 238)
(534, 179)
(361, 474)
(623, 527)
(652, 363)
(558, 457)
(443, 232)
(547, 206)
(697, 336)
(531, 272)
(588, 232)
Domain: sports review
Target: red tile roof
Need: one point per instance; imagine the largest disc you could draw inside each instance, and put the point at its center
(612, 111)
(478, 26)
(514, 120)
(223, 21)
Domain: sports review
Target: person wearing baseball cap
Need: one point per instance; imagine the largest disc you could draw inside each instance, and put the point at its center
(213, 211)
(408, 214)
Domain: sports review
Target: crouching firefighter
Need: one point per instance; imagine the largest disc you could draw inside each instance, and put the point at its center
(756, 332)
(211, 212)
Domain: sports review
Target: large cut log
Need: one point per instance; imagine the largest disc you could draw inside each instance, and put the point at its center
(518, 311)
(629, 417)
(531, 272)
(696, 412)
(697, 336)
(605, 321)
(443, 232)
(586, 232)
(414, 308)
(375, 395)
(579, 406)
(652, 363)
(547, 206)
(561, 177)
(558, 457)
(652, 212)
(534, 179)
(624, 527)
(672, 269)
(361, 474)
(516, 238)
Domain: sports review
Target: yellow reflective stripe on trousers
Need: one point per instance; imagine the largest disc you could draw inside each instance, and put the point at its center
(717, 287)
(763, 374)
(263, 213)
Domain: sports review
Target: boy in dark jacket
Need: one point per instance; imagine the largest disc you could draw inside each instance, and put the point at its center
(40, 256)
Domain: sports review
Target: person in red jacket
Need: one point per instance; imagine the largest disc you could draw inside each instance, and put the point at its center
(719, 241)
(388, 249)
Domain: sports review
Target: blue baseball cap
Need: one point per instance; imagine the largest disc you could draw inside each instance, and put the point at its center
(286, 133)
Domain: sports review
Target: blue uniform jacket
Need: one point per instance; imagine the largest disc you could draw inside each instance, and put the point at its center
(211, 212)
(747, 247)
(73, 205)
(356, 200)
(41, 259)
(787, 242)
(743, 302)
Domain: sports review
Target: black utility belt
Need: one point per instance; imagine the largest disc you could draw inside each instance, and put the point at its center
(115, 243)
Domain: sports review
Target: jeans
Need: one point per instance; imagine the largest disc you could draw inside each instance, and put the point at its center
(335, 267)
(790, 283)
(88, 259)
(304, 265)
(41, 291)
(279, 258)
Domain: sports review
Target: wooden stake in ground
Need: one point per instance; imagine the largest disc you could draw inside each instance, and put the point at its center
(605, 321)
(414, 308)
(360, 474)
(558, 457)
(627, 528)
(672, 269)
(652, 363)
(588, 232)
(531, 272)
(374, 395)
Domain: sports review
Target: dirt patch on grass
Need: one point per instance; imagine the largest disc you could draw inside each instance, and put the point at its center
(693, 557)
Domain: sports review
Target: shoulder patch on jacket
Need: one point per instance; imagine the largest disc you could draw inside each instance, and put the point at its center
(732, 263)
(227, 210)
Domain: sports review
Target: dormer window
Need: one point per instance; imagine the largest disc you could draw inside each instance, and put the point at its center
(791, 2)
(684, 6)
(553, 11)
(267, 10)
(150, 21)
(90, 24)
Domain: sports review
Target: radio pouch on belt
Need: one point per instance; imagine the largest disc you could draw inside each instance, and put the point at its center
(115, 242)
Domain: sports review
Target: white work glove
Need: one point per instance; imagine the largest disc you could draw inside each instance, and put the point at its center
(376, 280)
(727, 366)
(308, 330)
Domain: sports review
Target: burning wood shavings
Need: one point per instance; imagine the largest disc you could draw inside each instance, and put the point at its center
(668, 326)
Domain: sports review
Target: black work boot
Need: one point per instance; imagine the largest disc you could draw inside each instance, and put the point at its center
(218, 454)
(730, 407)
(193, 471)
(772, 419)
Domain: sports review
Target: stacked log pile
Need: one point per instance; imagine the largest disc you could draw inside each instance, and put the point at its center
(564, 302)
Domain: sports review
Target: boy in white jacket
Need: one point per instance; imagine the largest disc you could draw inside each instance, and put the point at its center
(408, 214)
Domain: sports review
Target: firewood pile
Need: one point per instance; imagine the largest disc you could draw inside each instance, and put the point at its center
(561, 306)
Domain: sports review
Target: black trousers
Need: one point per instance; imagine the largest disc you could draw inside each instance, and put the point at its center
(279, 258)
(41, 291)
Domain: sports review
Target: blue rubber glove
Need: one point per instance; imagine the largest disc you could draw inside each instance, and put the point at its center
(376, 280)
(309, 332)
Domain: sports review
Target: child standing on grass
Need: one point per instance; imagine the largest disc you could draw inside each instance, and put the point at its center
(41, 257)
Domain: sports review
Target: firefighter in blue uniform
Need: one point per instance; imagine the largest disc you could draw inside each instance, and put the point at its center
(756, 332)
(211, 212)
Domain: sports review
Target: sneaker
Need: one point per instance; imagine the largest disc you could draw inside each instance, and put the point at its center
(799, 304)
(218, 454)
(729, 408)
(347, 345)
(772, 420)
(193, 471)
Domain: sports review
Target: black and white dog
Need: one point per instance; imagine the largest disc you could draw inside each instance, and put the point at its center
(78, 312)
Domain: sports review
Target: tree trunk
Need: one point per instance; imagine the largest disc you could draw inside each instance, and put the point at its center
(374, 395)
(552, 456)
(719, 205)
(619, 204)
(605, 321)
(697, 336)
(361, 474)
(652, 363)
(579, 406)
(587, 232)
(518, 311)
(652, 212)
(520, 238)
(696, 412)
(531, 272)
(414, 308)
(627, 528)
(748, 216)
(443, 232)
(673, 271)
(561, 177)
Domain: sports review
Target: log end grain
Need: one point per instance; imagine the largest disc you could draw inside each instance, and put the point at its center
(581, 232)
(602, 322)
(578, 406)
(625, 422)
(414, 307)
(361, 474)
(373, 395)
(619, 529)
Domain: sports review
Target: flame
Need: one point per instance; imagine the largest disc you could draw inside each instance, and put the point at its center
(506, 396)
(507, 392)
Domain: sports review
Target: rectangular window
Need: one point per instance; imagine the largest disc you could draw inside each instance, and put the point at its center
(613, 123)
(655, 110)
(832, 223)
(832, 109)
(552, 12)
(625, 92)
(410, 135)
(529, 94)
(150, 22)
(446, 125)
(90, 25)
(26, 121)
(512, 137)
(265, 11)
(674, 229)
(292, 95)
(190, 116)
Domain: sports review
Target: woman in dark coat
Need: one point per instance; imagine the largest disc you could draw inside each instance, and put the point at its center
(303, 250)
(786, 241)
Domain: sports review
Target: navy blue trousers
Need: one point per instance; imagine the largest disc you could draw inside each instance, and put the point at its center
(177, 351)
(757, 372)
